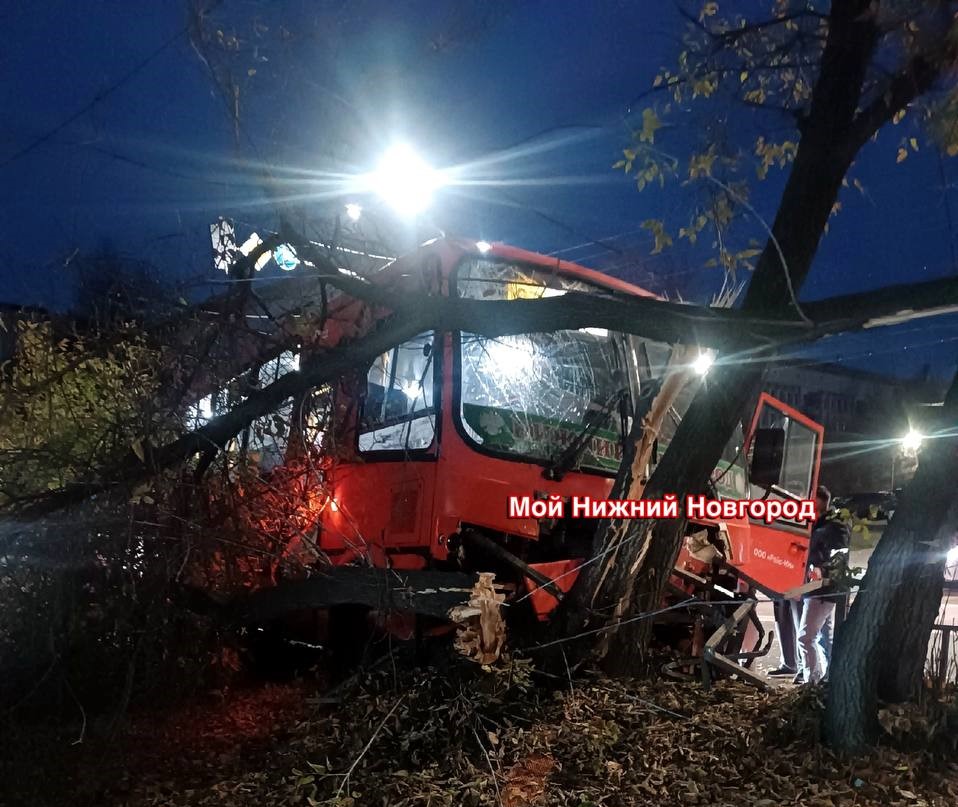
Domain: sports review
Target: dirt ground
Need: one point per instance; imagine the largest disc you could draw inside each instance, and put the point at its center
(460, 736)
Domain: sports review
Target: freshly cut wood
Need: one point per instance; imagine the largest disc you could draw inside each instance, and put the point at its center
(481, 630)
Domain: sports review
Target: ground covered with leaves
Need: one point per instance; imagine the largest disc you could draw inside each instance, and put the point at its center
(460, 736)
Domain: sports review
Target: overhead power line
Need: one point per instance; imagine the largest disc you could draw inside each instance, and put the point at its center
(100, 96)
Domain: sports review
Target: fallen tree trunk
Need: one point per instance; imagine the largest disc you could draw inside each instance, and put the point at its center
(429, 593)
(750, 335)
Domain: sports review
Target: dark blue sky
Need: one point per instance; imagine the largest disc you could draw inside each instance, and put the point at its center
(536, 95)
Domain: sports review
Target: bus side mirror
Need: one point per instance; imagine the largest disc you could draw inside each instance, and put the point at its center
(768, 457)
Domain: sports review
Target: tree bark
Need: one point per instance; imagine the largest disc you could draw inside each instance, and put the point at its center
(915, 608)
(620, 602)
(894, 610)
(431, 593)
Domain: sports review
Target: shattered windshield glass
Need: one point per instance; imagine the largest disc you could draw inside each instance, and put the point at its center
(533, 395)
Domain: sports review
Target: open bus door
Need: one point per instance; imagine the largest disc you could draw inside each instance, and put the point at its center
(775, 555)
(784, 450)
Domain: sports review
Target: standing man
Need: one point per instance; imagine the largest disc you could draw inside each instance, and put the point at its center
(829, 535)
(788, 614)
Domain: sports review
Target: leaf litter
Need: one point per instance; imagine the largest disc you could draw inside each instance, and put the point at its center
(460, 735)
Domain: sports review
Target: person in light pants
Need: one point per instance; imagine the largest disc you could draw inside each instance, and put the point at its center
(829, 534)
(814, 661)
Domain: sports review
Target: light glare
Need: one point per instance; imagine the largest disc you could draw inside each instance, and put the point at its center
(483, 246)
(405, 181)
(510, 358)
(411, 389)
(703, 363)
(354, 211)
(912, 441)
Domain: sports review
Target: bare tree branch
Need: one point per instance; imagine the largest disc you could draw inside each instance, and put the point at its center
(914, 80)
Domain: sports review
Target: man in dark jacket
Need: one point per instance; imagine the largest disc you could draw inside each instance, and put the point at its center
(830, 536)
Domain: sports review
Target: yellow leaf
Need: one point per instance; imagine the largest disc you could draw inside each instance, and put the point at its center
(902, 156)
(704, 86)
(701, 164)
(913, 142)
(650, 124)
(661, 237)
(898, 116)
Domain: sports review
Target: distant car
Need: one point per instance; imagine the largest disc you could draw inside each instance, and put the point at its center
(874, 506)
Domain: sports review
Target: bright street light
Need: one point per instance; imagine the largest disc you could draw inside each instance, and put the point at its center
(483, 246)
(354, 211)
(703, 363)
(405, 181)
(912, 441)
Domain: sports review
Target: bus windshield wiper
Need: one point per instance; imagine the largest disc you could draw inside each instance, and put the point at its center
(593, 420)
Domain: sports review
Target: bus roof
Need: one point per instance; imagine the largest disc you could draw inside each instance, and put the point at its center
(463, 246)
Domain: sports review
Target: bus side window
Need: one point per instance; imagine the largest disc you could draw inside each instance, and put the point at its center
(397, 412)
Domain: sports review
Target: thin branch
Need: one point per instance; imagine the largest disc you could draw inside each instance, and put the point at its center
(492, 771)
(778, 247)
(914, 80)
(372, 739)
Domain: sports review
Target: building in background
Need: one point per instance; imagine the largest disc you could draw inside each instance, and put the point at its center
(866, 416)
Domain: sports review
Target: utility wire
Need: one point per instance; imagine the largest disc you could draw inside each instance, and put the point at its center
(100, 96)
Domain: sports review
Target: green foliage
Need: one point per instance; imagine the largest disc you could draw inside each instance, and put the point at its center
(743, 79)
(70, 405)
(85, 593)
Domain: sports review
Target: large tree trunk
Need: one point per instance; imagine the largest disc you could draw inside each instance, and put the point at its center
(915, 608)
(886, 633)
(649, 548)
(615, 606)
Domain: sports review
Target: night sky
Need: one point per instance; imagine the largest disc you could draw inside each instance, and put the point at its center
(532, 97)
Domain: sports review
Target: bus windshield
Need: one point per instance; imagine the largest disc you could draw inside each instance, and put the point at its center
(533, 395)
